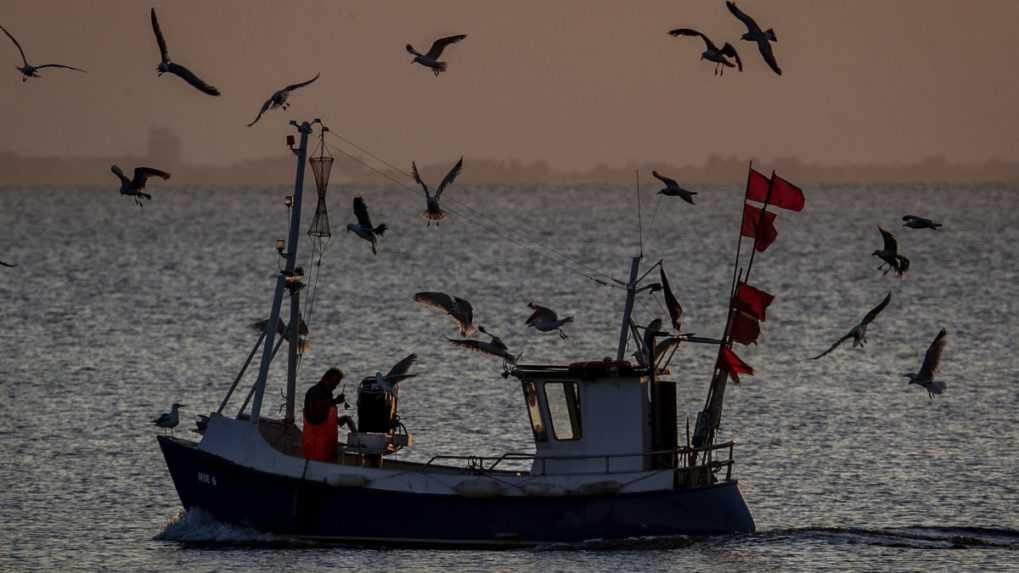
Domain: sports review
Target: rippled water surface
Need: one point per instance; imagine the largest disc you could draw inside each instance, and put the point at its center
(114, 312)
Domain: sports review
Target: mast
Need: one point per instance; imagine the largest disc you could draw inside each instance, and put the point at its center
(631, 293)
(286, 280)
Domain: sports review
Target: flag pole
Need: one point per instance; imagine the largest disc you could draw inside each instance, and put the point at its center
(704, 429)
(760, 223)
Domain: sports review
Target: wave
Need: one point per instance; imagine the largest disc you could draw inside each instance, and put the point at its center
(198, 527)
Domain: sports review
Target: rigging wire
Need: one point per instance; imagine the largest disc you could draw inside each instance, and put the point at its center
(582, 270)
(640, 224)
(491, 228)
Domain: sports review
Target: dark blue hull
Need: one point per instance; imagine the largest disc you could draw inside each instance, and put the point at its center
(294, 507)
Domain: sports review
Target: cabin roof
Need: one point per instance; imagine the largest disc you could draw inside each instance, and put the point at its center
(599, 369)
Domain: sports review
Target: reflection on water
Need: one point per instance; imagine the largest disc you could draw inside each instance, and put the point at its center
(115, 312)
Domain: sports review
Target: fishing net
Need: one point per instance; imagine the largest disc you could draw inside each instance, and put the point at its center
(321, 166)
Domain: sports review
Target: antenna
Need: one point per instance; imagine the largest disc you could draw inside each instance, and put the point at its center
(640, 224)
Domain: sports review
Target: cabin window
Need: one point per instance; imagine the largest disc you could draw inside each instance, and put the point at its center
(534, 411)
(563, 400)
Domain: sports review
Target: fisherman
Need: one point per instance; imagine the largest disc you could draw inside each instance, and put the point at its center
(320, 419)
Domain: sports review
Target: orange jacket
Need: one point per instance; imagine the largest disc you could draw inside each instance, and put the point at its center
(319, 440)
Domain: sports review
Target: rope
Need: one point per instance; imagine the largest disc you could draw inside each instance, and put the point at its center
(586, 272)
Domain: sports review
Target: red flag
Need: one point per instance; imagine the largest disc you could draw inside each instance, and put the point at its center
(732, 364)
(757, 186)
(752, 301)
(744, 328)
(784, 194)
(751, 219)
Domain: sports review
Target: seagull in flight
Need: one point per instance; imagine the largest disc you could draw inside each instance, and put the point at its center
(169, 420)
(763, 39)
(133, 187)
(432, 211)
(165, 65)
(495, 346)
(431, 59)
(859, 332)
(546, 320)
(931, 361)
(711, 51)
(279, 99)
(28, 70)
(914, 222)
(460, 310)
(890, 254)
(672, 189)
(396, 374)
(671, 302)
(364, 228)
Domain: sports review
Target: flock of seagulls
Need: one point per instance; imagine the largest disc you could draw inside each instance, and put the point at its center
(892, 260)
(725, 56)
(461, 311)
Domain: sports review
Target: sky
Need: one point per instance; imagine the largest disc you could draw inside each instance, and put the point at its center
(574, 83)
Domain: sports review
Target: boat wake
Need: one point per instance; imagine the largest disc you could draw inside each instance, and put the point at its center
(911, 537)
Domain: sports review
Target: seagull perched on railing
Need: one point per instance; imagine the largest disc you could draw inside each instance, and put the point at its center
(396, 374)
(165, 65)
(931, 362)
(755, 34)
(432, 211)
(890, 254)
(711, 51)
(495, 346)
(672, 189)
(431, 59)
(279, 99)
(364, 228)
(133, 187)
(914, 222)
(28, 70)
(546, 320)
(169, 420)
(859, 332)
(460, 310)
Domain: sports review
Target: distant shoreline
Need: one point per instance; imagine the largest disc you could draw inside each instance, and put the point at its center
(16, 169)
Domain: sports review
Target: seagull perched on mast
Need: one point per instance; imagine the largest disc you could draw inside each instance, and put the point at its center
(432, 211)
(859, 332)
(495, 346)
(396, 374)
(165, 65)
(169, 420)
(28, 70)
(546, 320)
(763, 39)
(133, 187)
(711, 51)
(931, 362)
(279, 99)
(889, 253)
(460, 310)
(672, 189)
(431, 59)
(364, 228)
(914, 222)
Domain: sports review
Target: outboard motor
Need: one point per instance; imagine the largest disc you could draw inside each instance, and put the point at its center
(376, 408)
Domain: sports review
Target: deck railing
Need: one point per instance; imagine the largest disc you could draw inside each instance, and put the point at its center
(685, 458)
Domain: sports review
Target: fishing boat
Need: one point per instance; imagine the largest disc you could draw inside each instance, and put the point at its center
(607, 460)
